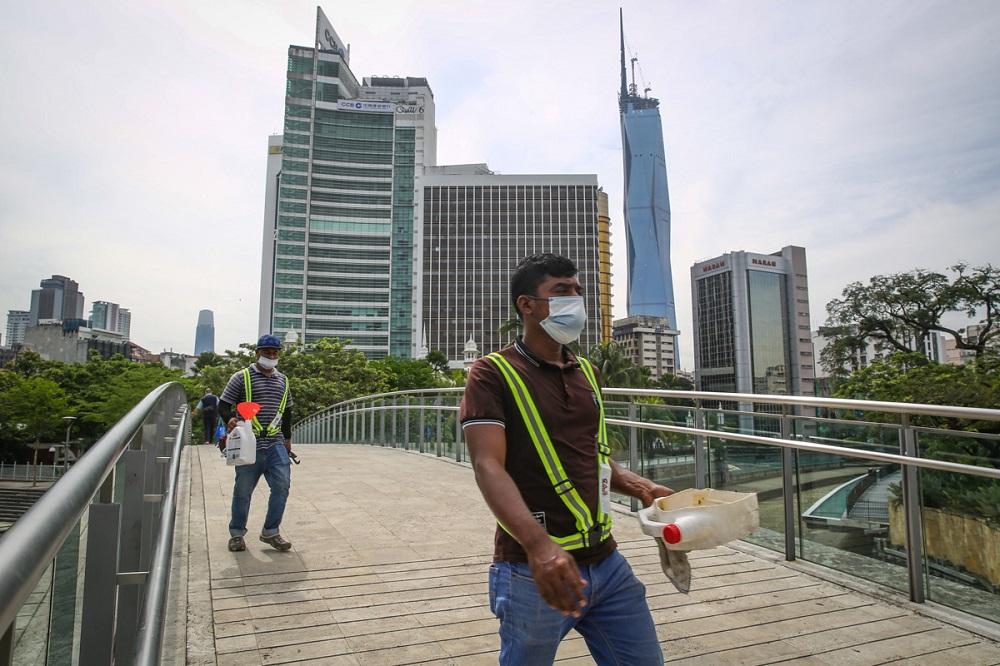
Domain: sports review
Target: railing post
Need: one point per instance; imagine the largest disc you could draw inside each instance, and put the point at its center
(440, 443)
(787, 486)
(911, 512)
(458, 439)
(395, 437)
(406, 424)
(633, 449)
(130, 553)
(381, 424)
(97, 632)
(421, 443)
(700, 455)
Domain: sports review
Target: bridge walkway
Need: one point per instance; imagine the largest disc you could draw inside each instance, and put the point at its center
(389, 566)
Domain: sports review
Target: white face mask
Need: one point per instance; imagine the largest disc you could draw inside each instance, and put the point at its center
(567, 317)
(267, 363)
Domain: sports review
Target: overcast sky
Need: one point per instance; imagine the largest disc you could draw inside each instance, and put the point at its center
(134, 132)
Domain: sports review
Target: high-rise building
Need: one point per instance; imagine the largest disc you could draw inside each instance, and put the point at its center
(647, 202)
(17, 321)
(751, 323)
(204, 334)
(125, 323)
(58, 299)
(475, 226)
(649, 343)
(338, 223)
(104, 316)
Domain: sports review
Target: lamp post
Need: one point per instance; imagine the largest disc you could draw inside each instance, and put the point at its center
(69, 421)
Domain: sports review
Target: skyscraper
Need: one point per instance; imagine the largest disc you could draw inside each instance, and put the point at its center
(475, 226)
(338, 222)
(125, 323)
(58, 299)
(647, 202)
(104, 316)
(17, 321)
(204, 335)
(751, 323)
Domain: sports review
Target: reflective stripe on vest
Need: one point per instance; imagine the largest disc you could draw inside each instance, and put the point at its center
(272, 429)
(561, 483)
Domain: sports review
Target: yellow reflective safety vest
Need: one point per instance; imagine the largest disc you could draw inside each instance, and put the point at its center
(274, 427)
(590, 530)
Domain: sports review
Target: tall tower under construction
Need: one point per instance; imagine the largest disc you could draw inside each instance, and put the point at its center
(647, 202)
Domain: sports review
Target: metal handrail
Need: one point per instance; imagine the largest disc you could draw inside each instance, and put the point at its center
(149, 637)
(32, 542)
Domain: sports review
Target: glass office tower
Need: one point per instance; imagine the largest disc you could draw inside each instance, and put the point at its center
(338, 223)
(751, 324)
(647, 203)
(476, 226)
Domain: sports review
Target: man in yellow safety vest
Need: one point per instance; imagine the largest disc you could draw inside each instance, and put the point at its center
(534, 422)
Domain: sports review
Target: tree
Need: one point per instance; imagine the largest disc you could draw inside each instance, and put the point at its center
(35, 406)
(512, 327)
(206, 360)
(438, 361)
(617, 369)
(898, 313)
(912, 378)
(407, 374)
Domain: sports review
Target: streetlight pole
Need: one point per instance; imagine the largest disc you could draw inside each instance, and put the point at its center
(69, 421)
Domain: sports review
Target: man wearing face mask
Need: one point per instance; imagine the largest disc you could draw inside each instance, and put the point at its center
(534, 422)
(263, 384)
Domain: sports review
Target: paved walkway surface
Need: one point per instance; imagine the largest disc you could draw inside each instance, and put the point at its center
(389, 566)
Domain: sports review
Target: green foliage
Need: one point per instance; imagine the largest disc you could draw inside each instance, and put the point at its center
(911, 378)
(34, 406)
(438, 361)
(616, 368)
(898, 313)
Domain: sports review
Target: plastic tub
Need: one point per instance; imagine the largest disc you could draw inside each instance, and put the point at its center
(697, 519)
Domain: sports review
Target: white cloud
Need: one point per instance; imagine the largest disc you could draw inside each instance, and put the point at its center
(135, 132)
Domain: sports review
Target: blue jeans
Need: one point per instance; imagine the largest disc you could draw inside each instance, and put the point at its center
(615, 623)
(273, 464)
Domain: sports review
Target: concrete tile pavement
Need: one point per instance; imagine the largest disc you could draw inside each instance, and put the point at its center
(389, 566)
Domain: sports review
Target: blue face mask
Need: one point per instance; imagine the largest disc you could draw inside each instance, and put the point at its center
(567, 317)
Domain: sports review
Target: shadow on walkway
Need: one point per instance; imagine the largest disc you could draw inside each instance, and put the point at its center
(389, 566)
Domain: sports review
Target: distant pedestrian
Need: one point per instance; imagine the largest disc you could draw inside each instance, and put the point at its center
(209, 408)
(263, 384)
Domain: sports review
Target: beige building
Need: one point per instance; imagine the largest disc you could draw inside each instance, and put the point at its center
(648, 342)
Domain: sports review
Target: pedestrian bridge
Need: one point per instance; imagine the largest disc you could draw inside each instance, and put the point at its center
(391, 545)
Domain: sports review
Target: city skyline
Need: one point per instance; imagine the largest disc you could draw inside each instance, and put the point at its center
(865, 132)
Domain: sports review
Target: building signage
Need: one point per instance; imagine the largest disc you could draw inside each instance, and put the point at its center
(358, 105)
(409, 108)
(712, 266)
(327, 38)
(771, 263)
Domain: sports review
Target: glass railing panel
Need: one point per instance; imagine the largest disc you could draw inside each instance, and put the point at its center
(67, 599)
(32, 624)
(960, 517)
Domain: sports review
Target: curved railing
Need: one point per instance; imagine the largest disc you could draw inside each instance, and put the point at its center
(804, 457)
(85, 571)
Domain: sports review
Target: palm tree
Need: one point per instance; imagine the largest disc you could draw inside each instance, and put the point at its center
(617, 369)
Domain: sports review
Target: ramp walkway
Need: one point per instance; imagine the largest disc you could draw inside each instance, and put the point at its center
(389, 567)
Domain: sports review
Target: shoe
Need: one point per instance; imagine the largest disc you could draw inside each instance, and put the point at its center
(276, 542)
(237, 544)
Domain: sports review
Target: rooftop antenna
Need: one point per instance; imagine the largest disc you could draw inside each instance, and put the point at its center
(621, 23)
(633, 89)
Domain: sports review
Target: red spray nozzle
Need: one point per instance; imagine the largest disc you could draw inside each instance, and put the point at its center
(671, 533)
(248, 410)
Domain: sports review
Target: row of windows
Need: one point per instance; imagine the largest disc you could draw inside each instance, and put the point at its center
(329, 155)
(293, 110)
(332, 239)
(346, 325)
(327, 92)
(357, 213)
(354, 118)
(352, 132)
(335, 281)
(292, 235)
(359, 145)
(362, 185)
(354, 254)
(299, 88)
(357, 199)
(291, 138)
(291, 221)
(348, 227)
(345, 269)
(346, 296)
(290, 264)
(496, 192)
(297, 125)
(356, 172)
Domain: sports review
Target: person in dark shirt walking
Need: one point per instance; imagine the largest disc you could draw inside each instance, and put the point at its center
(209, 408)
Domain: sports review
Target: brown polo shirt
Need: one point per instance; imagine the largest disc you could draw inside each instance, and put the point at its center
(568, 408)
